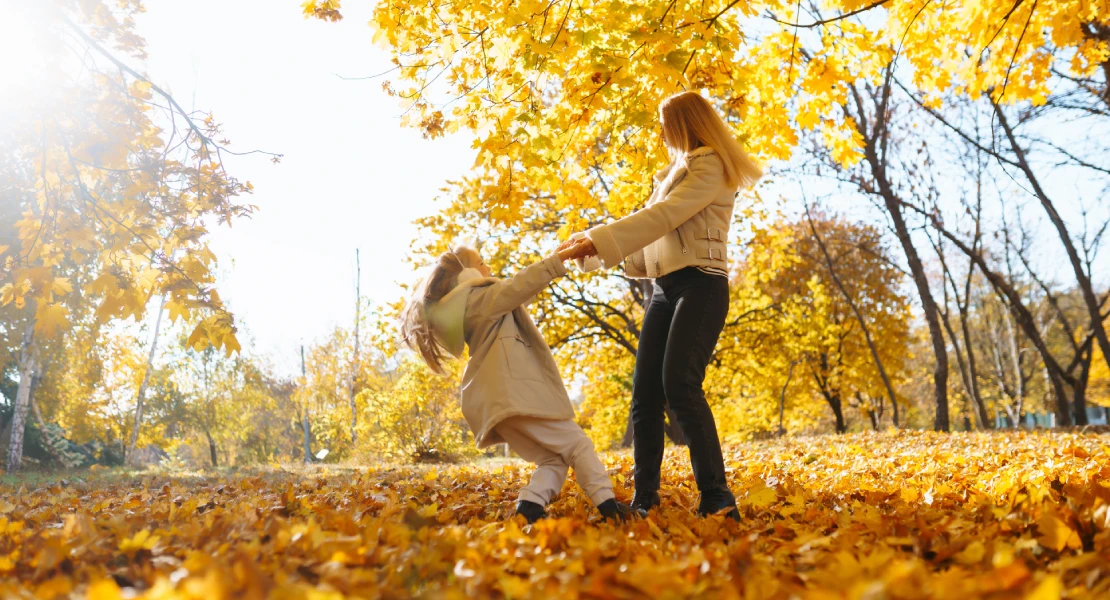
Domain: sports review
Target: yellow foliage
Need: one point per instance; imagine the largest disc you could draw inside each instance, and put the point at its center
(416, 416)
(108, 216)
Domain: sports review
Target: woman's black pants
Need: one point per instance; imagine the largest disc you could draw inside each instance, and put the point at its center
(682, 323)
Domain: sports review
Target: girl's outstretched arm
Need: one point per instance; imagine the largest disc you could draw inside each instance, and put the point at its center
(503, 296)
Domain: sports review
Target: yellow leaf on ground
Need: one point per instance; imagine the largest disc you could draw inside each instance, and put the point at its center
(1054, 532)
(1050, 588)
(761, 497)
(105, 589)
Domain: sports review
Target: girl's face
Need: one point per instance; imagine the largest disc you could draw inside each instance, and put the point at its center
(475, 259)
(483, 269)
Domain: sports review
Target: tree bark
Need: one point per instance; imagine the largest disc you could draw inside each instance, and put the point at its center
(1079, 390)
(146, 381)
(212, 449)
(968, 370)
(838, 412)
(928, 305)
(22, 397)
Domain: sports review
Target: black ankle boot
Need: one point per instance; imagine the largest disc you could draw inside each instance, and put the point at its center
(530, 510)
(733, 513)
(645, 501)
(612, 510)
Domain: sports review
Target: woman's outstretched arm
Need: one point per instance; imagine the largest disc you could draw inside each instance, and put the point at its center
(704, 178)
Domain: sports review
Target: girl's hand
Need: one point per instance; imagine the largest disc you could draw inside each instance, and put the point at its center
(570, 241)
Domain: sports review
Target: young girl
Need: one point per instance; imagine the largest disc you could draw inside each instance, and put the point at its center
(511, 390)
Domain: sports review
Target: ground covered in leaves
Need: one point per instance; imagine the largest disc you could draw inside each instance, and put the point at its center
(897, 515)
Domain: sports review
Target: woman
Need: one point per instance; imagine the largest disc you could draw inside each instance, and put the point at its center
(680, 241)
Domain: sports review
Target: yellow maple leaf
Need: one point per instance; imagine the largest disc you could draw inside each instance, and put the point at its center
(761, 496)
(50, 319)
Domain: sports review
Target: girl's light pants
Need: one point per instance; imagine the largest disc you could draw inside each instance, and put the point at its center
(556, 446)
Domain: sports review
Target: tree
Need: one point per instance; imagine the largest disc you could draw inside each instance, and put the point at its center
(117, 187)
(417, 416)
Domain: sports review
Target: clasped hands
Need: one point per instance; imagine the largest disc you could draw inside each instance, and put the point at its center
(578, 246)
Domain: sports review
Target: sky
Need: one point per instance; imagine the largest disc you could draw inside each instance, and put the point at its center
(351, 177)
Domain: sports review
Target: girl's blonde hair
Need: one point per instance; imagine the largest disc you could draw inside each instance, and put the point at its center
(416, 332)
(689, 121)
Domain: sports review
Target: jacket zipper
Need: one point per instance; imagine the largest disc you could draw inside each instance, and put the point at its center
(681, 240)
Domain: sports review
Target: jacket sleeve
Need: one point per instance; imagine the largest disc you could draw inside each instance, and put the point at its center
(696, 190)
(501, 297)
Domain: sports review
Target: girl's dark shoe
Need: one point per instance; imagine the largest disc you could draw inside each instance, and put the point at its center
(645, 501)
(617, 511)
(530, 510)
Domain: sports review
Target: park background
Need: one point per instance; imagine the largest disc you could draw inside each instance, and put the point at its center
(211, 212)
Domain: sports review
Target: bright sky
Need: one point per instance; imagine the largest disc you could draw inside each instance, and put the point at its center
(351, 177)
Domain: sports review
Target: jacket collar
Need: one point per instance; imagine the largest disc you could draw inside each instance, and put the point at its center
(681, 162)
(447, 316)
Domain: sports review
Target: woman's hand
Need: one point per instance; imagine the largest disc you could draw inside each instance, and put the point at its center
(574, 248)
(569, 242)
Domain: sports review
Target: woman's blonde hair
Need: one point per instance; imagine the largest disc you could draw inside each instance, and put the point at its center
(689, 122)
(416, 332)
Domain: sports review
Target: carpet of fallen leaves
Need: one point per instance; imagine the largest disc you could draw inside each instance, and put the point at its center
(894, 515)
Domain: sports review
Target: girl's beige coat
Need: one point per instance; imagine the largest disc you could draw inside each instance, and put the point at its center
(511, 371)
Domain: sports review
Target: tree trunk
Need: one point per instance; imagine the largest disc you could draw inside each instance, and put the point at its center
(1081, 277)
(22, 397)
(782, 397)
(966, 373)
(146, 381)
(307, 446)
(355, 364)
(212, 449)
(1019, 312)
(875, 140)
(859, 317)
(976, 394)
(928, 305)
(304, 415)
(872, 414)
(838, 411)
(1079, 396)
